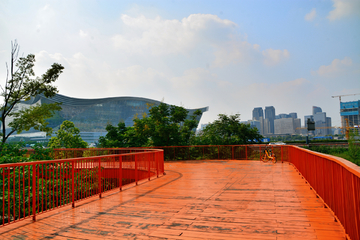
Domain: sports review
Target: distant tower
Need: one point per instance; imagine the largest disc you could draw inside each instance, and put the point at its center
(316, 110)
(293, 115)
(257, 113)
(270, 115)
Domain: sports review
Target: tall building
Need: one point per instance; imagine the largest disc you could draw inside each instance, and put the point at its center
(322, 122)
(257, 113)
(287, 125)
(270, 116)
(350, 112)
(293, 115)
(316, 110)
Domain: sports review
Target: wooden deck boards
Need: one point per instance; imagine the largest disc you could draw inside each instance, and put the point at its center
(195, 200)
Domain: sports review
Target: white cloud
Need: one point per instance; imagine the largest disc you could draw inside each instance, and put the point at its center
(336, 67)
(344, 8)
(159, 36)
(311, 15)
(273, 57)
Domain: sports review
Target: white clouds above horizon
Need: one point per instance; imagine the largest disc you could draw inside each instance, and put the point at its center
(311, 15)
(336, 67)
(228, 63)
(344, 8)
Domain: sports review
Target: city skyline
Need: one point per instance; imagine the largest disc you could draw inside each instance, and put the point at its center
(229, 55)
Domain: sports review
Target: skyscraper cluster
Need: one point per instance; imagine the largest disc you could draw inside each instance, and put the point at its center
(272, 124)
(322, 122)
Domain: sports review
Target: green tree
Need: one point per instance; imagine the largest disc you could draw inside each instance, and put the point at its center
(169, 125)
(165, 126)
(227, 130)
(354, 146)
(20, 86)
(68, 136)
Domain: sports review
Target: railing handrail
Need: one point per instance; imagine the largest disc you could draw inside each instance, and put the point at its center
(351, 167)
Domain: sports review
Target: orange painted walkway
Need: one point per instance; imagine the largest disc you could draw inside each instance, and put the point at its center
(195, 200)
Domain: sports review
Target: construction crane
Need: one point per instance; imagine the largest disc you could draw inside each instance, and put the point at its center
(339, 96)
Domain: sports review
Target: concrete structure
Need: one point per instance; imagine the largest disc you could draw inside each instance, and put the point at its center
(350, 111)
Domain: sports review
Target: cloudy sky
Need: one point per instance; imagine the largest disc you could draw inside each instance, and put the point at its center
(229, 55)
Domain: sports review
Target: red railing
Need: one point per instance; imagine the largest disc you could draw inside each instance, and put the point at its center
(236, 152)
(62, 182)
(336, 181)
(28, 189)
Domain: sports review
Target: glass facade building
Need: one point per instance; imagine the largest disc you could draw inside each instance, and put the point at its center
(92, 115)
(270, 115)
(350, 112)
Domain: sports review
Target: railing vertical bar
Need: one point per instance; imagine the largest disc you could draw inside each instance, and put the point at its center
(120, 169)
(34, 191)
(100, 178)
(73, 183)
(136, 170)
(3, 195)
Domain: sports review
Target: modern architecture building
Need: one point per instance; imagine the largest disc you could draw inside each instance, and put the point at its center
(92, 116)
(270, 116)
(287, 126)
(350, 112)
(257, 113)
(322, 122)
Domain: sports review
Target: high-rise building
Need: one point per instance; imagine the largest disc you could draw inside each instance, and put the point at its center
(287, 126)
(322, 122)
(257, 113)
(270, 116)
(293, 115)
(350, 112)
(316, 110)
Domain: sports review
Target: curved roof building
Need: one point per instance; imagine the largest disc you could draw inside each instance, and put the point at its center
(92, 115)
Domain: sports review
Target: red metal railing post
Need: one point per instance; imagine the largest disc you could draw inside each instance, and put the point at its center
(73, 183)
(34, 192)
(148, 162)
(232, 152)
(99, 177)
(282, 159)
(120, 173)
(136, 170)
(157, 163)
(246, 154)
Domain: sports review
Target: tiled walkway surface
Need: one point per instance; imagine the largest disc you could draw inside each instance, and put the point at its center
(195, 200)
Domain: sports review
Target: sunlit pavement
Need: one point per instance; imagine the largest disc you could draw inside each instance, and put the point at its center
(215, 199)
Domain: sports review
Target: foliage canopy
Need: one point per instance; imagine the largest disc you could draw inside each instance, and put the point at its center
(20, 86)
(68, 136)
(165, 126)
(227, 130)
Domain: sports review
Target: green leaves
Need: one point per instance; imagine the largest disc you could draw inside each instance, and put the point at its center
(34, 117)
(68, 136)
(21, 86)
(227, 130)
(165, 126)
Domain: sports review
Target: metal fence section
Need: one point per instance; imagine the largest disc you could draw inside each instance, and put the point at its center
(336, 181)
(237, 152)
(32, 188)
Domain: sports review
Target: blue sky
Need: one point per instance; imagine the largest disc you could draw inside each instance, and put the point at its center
(232, 56)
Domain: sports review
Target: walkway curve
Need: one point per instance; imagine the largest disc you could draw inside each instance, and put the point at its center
(215, 199)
